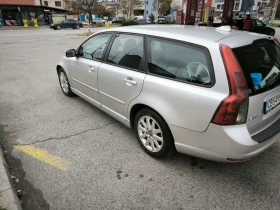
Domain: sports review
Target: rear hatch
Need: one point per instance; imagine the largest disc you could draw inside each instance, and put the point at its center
(260, 62)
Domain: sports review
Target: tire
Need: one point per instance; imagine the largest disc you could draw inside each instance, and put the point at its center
(157, 140)
(64, 83)
(58, 27)
(77, 27)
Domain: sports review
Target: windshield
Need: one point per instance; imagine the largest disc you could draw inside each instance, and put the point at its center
(260, 62)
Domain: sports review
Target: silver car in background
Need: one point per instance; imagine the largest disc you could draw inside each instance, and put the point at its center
(210, 93)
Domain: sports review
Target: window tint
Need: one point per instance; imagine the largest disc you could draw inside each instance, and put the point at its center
(260, 62)
(179, 61)
(66, 21)
(94, 47)
(72, 21)
(127, 51)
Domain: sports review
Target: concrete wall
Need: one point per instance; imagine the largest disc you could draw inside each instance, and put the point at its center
(30, 2)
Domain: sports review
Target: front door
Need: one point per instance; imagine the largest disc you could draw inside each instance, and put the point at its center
(120, 78)
(66, 24)
(84, 67)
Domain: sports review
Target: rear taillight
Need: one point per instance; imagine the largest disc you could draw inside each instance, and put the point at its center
(233, 109)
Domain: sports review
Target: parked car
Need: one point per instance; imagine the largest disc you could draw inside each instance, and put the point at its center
(98, 20)
(213, 95)
(257, 26)
(135, 18)
(118, 20)
(144, 21)
(161, 20)
(67, 23)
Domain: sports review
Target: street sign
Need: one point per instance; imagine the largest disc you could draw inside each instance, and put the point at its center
(171, 10)
(273, 8)
(172, 4)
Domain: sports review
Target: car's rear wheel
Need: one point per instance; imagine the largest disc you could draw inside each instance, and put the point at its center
(58, 27)
(153, 134)
(64, 83)
(77, 27)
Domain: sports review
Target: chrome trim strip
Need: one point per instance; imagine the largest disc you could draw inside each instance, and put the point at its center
(115, 113)
(73, 89)
(122, 102)
(85, 84)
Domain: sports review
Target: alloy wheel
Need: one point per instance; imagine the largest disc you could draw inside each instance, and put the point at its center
(150, 133)
(64, 82)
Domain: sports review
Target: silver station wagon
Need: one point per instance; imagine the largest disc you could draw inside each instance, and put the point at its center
(210, 93)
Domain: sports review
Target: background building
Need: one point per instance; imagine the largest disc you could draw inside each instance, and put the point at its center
(13, 12)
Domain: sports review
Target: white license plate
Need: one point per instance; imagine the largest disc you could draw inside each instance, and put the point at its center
(271, 104)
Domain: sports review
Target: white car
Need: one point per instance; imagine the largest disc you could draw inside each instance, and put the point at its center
(98, 20)
(213, 93)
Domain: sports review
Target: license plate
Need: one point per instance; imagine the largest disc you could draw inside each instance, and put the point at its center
(271, 104)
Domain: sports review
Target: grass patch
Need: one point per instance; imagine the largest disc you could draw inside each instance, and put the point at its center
(273, 24)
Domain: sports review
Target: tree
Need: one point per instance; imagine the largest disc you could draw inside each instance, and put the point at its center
(85, 6)
(164, 7)
(101, 11)
(128, 6)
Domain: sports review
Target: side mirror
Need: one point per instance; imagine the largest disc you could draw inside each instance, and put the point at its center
(70, 53)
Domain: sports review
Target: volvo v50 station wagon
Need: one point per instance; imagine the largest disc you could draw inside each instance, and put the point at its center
(210, 93)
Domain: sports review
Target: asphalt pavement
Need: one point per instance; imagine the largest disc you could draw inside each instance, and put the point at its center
(67, 154)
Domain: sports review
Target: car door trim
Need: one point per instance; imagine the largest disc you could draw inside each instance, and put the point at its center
(122, 102)
(107, 110)
(84, 95)
(84, 84)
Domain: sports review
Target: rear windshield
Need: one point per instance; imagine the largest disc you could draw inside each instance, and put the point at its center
(260, 62)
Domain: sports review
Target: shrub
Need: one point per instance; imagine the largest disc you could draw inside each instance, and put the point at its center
(129, 23)
(152, 18)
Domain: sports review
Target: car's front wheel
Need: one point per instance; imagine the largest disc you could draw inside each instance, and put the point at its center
(64, 83)
(77, 27)
(58, 27)
(153, 134)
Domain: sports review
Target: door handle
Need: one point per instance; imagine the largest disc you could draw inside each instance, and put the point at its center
(130, 81)
(90, 69)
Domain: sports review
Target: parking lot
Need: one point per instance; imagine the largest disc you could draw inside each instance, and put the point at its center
(67, 154)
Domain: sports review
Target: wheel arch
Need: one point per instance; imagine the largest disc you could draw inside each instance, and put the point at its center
(58, 67)
(134, 110)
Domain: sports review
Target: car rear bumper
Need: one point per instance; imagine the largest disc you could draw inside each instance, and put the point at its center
(219, 143)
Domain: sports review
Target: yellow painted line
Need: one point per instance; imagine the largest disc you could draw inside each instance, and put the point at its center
(44, 156)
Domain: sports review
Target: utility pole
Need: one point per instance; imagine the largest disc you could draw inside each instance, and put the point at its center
(156, 10)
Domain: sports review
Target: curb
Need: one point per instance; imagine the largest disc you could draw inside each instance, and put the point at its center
(8, 196)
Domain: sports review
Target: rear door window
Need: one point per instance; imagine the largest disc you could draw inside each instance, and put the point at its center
(180, 61)
(260, 62)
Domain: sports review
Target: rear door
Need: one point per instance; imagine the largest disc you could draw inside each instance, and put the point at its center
(121, 76)
(260, 62)
(72, 23)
